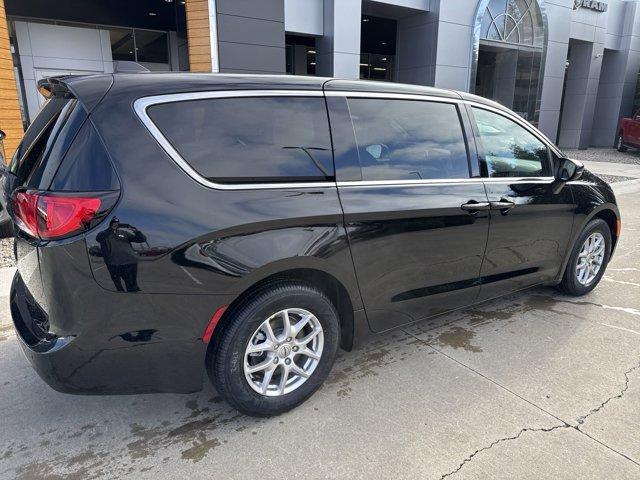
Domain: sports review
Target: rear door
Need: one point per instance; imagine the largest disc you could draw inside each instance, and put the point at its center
(416, 219)
(531, 215)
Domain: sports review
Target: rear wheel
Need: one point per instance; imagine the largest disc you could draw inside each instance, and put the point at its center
(588, 260)
(620, 143)
(276, 350)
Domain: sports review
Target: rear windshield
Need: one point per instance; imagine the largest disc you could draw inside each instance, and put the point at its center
(244, 140)
(46, 137)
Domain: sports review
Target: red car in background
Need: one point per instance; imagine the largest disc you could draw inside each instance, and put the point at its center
(629, 132)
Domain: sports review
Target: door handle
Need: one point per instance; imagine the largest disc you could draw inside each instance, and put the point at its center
(503, 205)
(473, 207)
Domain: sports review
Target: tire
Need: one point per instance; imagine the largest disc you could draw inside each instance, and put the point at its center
(571, 285)
(620, 143)
(227, 363)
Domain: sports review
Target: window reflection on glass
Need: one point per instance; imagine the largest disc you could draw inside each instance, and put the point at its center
(241, 140)
(509, 149)
(408, 140)
(122, 45)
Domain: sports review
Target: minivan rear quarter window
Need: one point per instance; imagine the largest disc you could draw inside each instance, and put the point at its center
(408, 139)
(252, 139)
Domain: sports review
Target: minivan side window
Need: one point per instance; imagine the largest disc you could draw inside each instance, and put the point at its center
(250, 139)
(510, 150)
(408, 139)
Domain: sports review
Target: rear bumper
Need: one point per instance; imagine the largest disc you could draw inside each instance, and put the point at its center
(94, 361)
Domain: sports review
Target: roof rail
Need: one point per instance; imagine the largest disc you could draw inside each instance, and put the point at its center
(126, 66)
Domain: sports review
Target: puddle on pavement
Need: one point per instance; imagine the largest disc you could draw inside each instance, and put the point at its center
(458, 337)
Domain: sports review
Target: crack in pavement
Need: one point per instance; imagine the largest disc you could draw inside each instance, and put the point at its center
(563, 424)
(583, 418)
(501, 440)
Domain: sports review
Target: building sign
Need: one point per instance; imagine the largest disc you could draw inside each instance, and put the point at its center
(591, 4)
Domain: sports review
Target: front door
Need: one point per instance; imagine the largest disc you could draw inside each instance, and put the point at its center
(417, 222)
(531, 214)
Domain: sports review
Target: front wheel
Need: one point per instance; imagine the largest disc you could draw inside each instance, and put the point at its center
(588, 260)
(620, 144)
(276, 349)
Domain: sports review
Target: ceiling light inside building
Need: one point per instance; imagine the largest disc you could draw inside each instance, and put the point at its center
(152, 14)
(365, 19)
(380, 69)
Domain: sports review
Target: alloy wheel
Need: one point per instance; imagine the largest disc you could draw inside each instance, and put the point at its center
(283, 352)
(590, 258)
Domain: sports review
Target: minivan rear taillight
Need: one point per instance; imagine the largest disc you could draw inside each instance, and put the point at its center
(54, 215)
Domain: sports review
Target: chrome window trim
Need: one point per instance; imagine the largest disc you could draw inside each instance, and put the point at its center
(431, 98)
(141, 105)
(447, 181)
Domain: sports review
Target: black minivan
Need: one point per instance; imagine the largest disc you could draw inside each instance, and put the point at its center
(249, 226)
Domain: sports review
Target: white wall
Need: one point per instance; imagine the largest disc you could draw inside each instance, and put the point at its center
(47, 50)
(304, 16)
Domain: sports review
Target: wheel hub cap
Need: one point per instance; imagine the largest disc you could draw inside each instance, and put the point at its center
(283, 352)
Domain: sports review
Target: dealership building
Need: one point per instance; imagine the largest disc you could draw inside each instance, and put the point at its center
(568, 66)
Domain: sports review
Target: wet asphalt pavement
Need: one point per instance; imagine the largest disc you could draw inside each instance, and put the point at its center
(534, 385)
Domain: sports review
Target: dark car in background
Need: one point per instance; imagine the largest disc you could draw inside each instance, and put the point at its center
(169, 225)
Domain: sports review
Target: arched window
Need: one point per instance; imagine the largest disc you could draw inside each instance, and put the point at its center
(513, 21)
(509, 53)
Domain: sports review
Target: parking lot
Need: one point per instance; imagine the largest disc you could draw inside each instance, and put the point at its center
(534, 385)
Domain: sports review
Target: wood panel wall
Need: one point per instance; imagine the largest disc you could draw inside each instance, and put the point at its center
(10, 118)
(198, 35)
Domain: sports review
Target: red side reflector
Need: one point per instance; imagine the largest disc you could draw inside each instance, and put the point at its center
(618, 227)
(208, 332)
(51, 216)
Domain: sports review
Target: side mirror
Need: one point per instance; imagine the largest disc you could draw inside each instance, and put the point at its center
(569, 170)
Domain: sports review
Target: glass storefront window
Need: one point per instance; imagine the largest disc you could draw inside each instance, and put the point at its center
(509, 49)
(152, 47)
(376, 66)
(122, 45)
(137, 45)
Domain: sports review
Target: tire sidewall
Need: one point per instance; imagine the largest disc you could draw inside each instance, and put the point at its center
(570, 282)
(247, 320)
